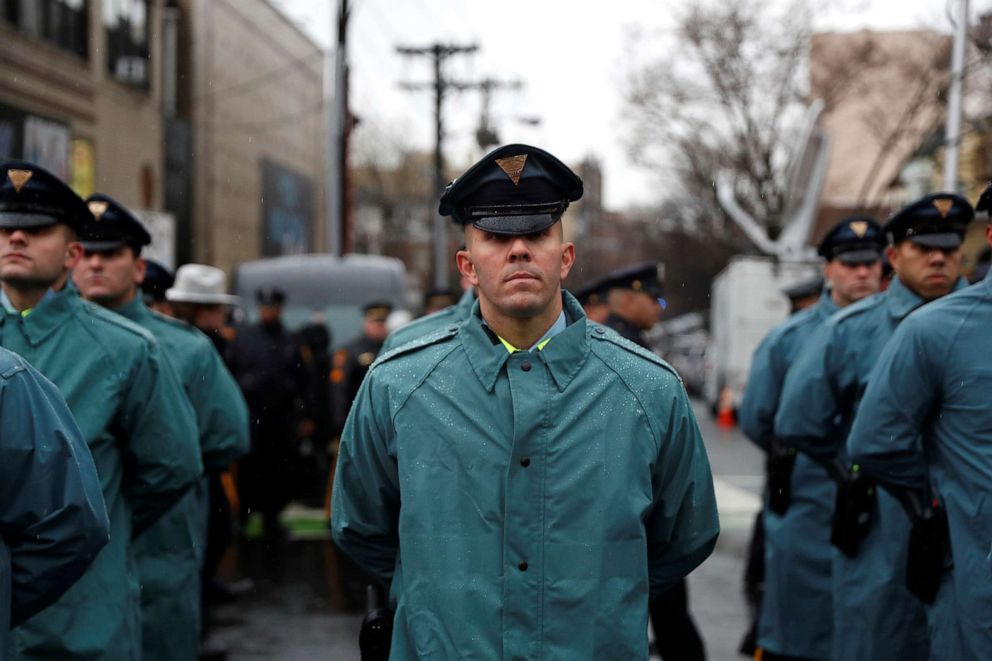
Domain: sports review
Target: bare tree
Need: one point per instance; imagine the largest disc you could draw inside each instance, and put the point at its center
(726, 95)
(729, 94)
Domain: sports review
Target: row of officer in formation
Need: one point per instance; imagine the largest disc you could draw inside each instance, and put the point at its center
(524, 480)
(873, 409)
(104, 512)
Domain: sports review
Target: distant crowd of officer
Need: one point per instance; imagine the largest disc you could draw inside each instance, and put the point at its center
(873, 408)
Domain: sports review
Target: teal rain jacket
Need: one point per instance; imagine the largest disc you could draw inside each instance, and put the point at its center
(928, 423)
(52, 513)
(170, 553)
(523, 505)
(425, 325)
(875, 616)
(141, 432)
(798, 556)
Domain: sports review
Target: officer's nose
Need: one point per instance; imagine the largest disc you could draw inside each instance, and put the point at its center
(937, 256)
(93, 260)
(519, 250)
(18, 236)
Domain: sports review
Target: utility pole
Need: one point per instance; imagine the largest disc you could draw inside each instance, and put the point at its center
(438, 52)
(952, 137)
(486, 134)
(336, 102)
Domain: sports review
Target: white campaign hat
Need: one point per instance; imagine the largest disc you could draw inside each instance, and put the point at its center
(199, 283)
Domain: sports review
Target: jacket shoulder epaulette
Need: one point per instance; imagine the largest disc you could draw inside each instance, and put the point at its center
(125, 325)
(857, 309)
(611, 337)
(433, 338)
(10, 364)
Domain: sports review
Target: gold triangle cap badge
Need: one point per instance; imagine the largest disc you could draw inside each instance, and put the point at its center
(513, 167)
(97, 208)
(943, 206)
(859, 227)
(19, 178)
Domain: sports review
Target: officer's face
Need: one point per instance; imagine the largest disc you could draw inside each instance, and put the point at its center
(645, 310)
(518, 276)
(109, 277)
(929, 272)
(37, 257)
(209, 317)
(375, 329)
(852, 282)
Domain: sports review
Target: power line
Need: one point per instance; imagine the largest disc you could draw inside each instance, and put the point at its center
(438, 53)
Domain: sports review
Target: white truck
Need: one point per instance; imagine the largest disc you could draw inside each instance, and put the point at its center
(745, 303)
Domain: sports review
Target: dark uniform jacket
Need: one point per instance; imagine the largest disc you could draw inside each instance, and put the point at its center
(626, 330)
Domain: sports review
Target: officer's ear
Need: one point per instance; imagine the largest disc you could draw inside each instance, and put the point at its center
(567, 258)
(988, 231)
(463, 258)
(140, 268)
(73, 249)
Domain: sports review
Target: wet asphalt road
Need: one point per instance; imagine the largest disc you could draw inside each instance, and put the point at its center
(296, 612)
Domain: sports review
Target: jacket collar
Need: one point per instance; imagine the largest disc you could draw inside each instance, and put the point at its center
(564, 355)
(135, 309)
(826, 306)
(465, 303)
(988, 281)
(48, 315)
(901, 300)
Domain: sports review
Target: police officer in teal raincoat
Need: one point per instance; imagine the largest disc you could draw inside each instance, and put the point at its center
(51, 510)
(875, 616)
(798, 588)
(170, 553)
(126, 398)
(924, 430)
(524, 480)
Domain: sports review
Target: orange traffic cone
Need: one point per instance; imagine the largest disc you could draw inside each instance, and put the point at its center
(725, 410)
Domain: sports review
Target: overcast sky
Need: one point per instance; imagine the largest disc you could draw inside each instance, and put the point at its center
(572, 57)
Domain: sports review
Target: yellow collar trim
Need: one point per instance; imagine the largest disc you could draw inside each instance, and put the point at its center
(510, 348)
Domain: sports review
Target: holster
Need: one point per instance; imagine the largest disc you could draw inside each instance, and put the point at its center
(929, 543)
(781, 462)
(852, 510)
(376, 635)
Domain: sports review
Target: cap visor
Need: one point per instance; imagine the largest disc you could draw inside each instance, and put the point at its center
(863, 256)
(100, 246)
(516, 225)
(15, 220)
(945, 240)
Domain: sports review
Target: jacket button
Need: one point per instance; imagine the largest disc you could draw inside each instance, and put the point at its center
(525, 366)
(522, 566)
(525, 462)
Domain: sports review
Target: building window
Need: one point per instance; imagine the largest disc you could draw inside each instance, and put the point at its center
(126, 24)
(61, 22)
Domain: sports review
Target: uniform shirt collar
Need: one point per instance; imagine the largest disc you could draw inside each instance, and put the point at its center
(10, 309)
(827, 306)
(563, 357)
(134, 309)
(988, 281)
(48, 315)
(556, 328)
(901, 300)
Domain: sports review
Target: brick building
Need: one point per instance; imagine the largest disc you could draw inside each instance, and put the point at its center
(236, 160)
